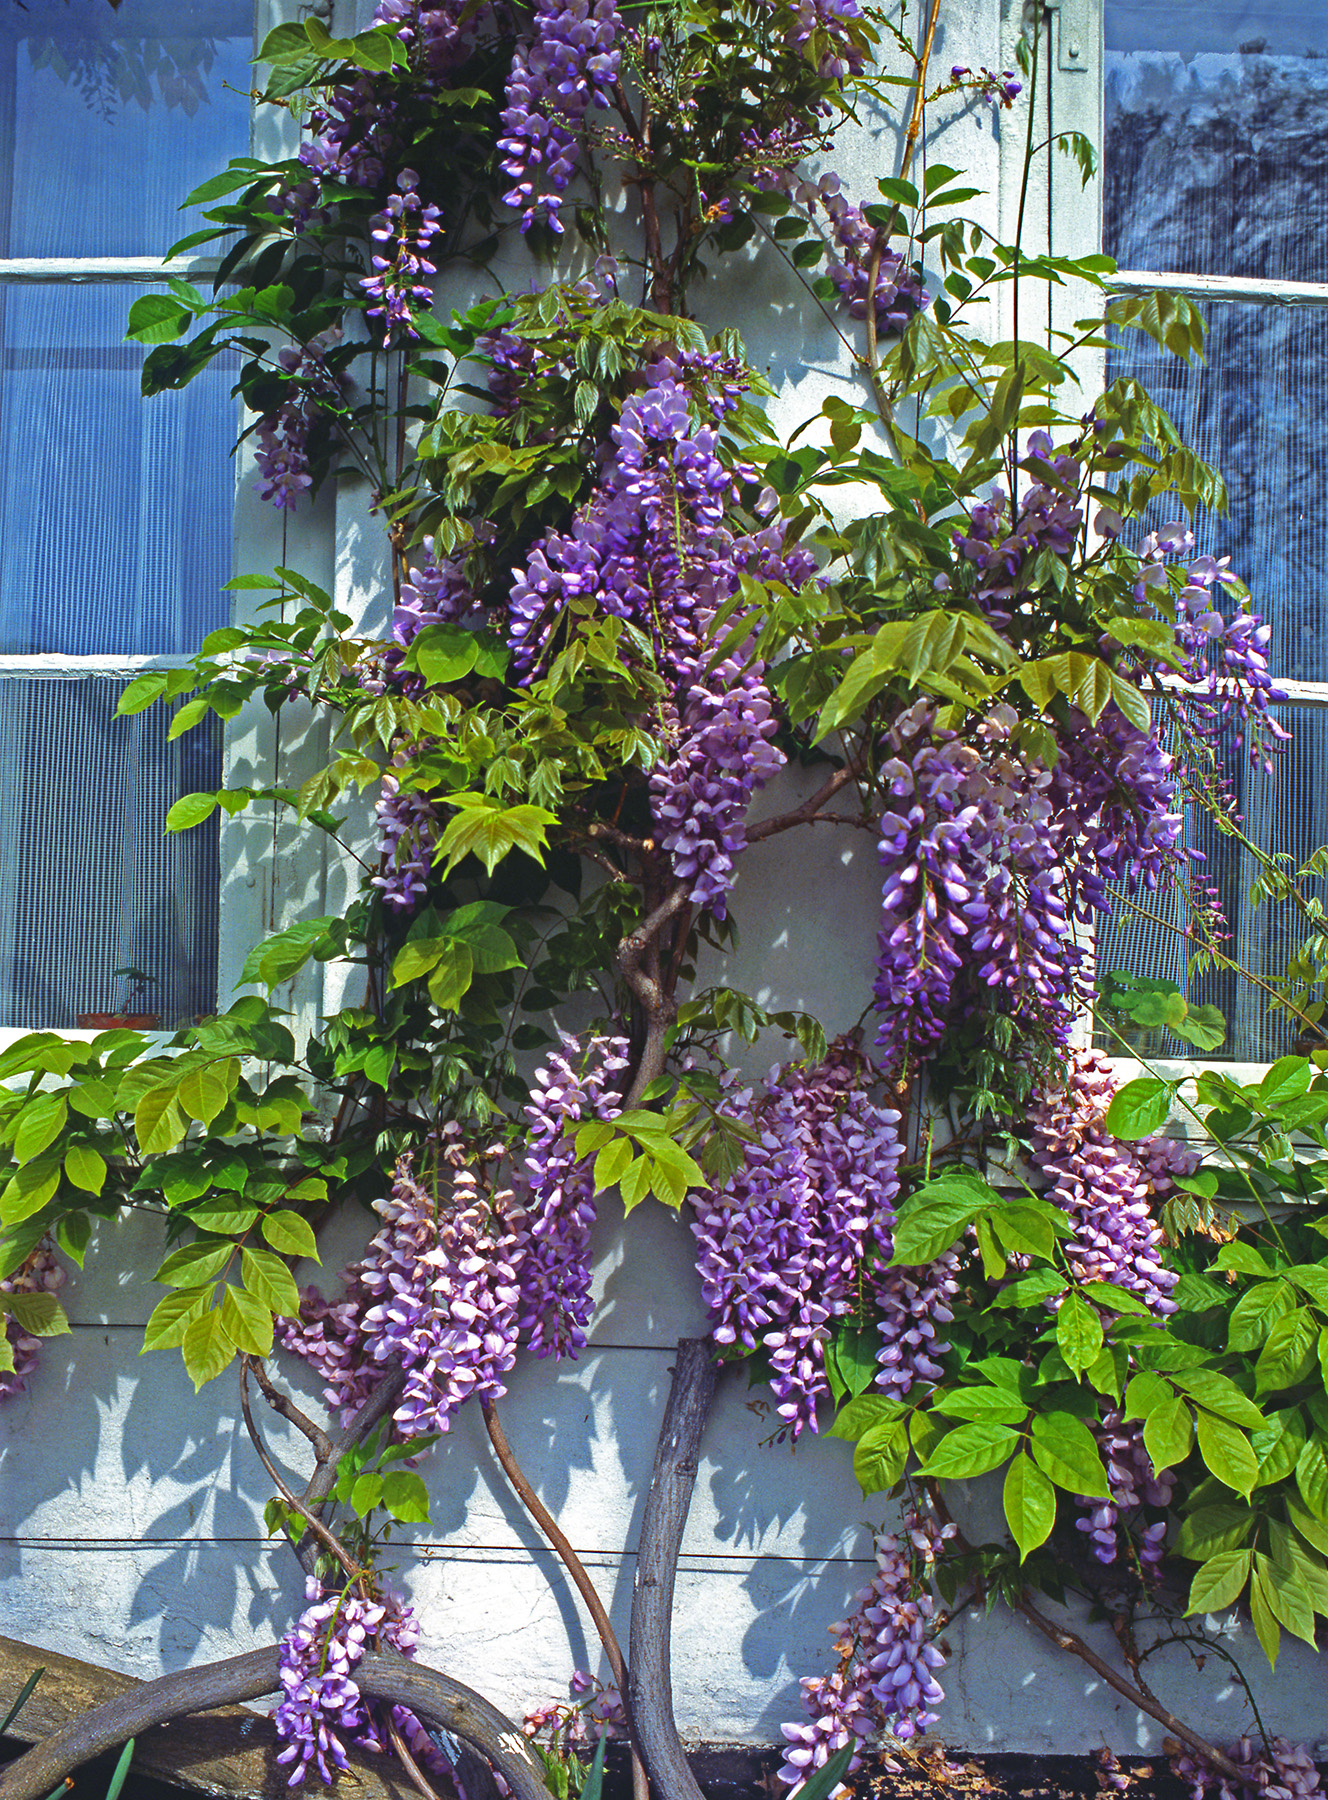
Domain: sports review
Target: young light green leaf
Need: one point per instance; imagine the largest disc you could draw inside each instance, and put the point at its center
(971, 1449)
(247, 1320)
(1030, 1504)
(880, 1456)
(1220, 1581)
(1064, 1449)
(406, 1497)
(85, 1168)
(173, 1315)
(207, 1348)
(269, 1280)
(1226, 1450)
(291, 1234)
(1140, 1108)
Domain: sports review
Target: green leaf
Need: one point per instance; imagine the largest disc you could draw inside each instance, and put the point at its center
(1064, 1449)
(1220, 1581)
(191, 810)
(290, 1233)
(284, 954)
(1145, 1394)
(1264, 1619)
(972, 1449)
(1030, 1504)
(443, 653)
(268, 1278)
(73, 1233)
(159, 1123)
(366, 1492)
(206, 1090)
(1311, 1529)
(247, 1320)
(157, 319)
(172, 1316)
(29, 1190)
(39, 1314)
(880, 1456)
(39, 1124)
(453, 975)
(406, 1497)
(1284, 1591)
(1002, 1406)
(1226, 1450)
(207, 1348)
(611, 1163)
(1312, 1477)
(1290, 1352)
(1115, 1299)
(1278, 1444)
(484, 829)
(200, 1261)
(85, 1168)
(1078, 1333)
(862, 1414)
(1211, 1529)
(1140, 1108)
(1220, 1395)
(141, 693)
(117, 1780)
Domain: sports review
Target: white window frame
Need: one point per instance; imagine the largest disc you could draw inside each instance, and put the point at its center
(267, 871)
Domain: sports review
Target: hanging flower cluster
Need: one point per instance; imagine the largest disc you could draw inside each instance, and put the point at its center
(554, 1270)
(886, 1679)
(1134, 1483)
(1106, 1186)
(322, 1709)
(781, 1243)
(449, 1283)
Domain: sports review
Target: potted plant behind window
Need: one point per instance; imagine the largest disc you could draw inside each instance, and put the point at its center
(135, 1014)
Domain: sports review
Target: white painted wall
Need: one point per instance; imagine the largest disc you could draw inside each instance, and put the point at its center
(130, 1509)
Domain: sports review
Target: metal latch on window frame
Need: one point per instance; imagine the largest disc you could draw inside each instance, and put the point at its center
(1073, 26)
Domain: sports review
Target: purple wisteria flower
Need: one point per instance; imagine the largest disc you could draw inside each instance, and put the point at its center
(781, 1242)
(282, 437)
(404, 231)
(888, 1659)
(556, 1185)
(1134, 1483)
(570, 65)
(1105, 1186)
(1279, 1770)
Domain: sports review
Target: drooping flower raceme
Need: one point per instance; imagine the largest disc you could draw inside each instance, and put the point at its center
(1104, 1185)
(888, 1659)
(322, 1709)
(781, 1243)
(554, 1271)
(570, 65)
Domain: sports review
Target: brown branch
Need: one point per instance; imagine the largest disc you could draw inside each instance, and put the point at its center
(380, 1675)
(1065, 1639)
(1069, 1640)
(662, 1526)
(282, 1403)
(313, 1524)
(323, 1480)
(546, 1522)
(810, 809)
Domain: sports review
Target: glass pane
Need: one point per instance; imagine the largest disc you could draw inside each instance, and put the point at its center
(1149, 934)
(88, 883)
(115, 511)
(1256, 408)
(110, 114)
(1214, 159)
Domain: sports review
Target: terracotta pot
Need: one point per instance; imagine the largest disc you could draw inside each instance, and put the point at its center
(106, 1021)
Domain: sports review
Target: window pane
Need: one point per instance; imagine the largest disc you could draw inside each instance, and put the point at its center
(1256, 408)
(1149, 934)
(115, 511)
(88, 883)
(1214, 137)
(111, 114)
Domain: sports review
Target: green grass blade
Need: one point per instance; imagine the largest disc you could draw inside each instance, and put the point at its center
(121, 1770)
(595, 1779)
(828, 1777)
(23, 1693)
